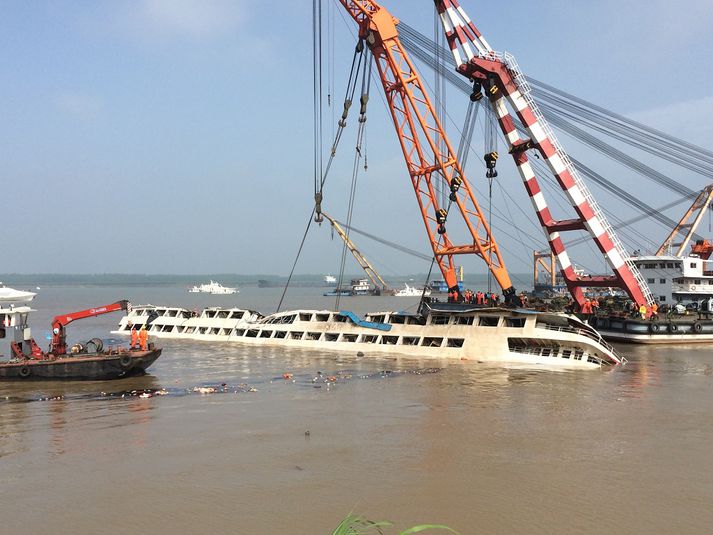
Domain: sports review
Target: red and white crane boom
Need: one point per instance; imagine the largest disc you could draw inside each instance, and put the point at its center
(505, 85)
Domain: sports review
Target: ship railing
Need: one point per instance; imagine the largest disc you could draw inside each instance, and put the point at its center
(597, 338)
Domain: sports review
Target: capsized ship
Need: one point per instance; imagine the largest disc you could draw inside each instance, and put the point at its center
(438, 330)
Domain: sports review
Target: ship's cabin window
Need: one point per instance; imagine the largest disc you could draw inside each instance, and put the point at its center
(289, 319)
(489, 321)
(347, 337)
(297, 335)
(440, 319)
(322, 317)
(431, 341)
(252, 333)
(454, 342)
(415, 320)
(313, 336)
(341, 319)
(514, 322)
(694, 264)
(331, 337)
(223, 314)
(368, 338)
(304, 316)
(185, 314)
(670, 265)
(650, 281)
(578, 354)
(214, 330)
(280, 334)
(379, 318)
(410, 340)
(161, 311)
(566, 353)
(662, 266)
(389, 340)
(464, 320)
(662, 281)
(662, 298)
(239, 332)
(190, 330)
(697, 281)
(265, 334)
(398, 320)
(237, 314)
(172, 313)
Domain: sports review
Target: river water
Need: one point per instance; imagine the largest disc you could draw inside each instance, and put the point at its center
(481, 448)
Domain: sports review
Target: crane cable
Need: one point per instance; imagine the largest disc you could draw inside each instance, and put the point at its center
(351, 87)
(363, 101)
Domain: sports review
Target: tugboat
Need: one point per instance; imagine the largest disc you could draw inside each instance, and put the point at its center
(84, 361)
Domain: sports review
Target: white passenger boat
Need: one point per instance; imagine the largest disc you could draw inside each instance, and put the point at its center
(330, 279)
(410, 291)
(10, 295)
(439, 330)
(214, 288)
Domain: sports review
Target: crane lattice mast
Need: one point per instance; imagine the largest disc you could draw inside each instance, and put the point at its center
(504, 83)
(427, 150)
(699, 207)
(373, 275)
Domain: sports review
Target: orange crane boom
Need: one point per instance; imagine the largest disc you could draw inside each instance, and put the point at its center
(427, 150)
(59, 334)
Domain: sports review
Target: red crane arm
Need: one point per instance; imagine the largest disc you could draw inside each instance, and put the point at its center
(59, 342)
(428, 152)
(65, 319)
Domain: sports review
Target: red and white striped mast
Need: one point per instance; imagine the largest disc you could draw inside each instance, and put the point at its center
(504, 84)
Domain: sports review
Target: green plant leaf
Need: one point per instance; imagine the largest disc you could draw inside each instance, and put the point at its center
(424, 527)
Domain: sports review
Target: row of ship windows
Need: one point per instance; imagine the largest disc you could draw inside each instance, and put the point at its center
(170, 313)
(555, 352)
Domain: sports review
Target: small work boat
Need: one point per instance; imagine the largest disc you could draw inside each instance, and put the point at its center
(22, 358)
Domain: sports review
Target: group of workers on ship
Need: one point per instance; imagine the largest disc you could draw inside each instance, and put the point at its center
(140, 338)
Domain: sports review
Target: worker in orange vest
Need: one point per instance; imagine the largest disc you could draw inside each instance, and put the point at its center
(134, 337)
(143, 338)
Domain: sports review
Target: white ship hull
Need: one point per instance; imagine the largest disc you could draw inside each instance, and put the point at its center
(488, 335)
(9, 295)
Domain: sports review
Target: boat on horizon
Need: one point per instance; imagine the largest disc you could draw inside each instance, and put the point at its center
(214, 288)
(411, 291)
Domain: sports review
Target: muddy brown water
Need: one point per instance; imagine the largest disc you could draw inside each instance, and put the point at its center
(482, 448)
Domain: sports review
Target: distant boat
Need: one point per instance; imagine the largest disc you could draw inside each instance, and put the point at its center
(330, 279)
(214, 288)
(10, 295)
(410, 291)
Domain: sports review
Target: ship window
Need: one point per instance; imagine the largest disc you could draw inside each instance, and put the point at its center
(438, 319)
(331, 337)
(578, 354)
(305, 317)
(415, 320)
(546, 351)
(190, 330)
(280, 334)
(489, 321)
(290, 319)
(349, 337)
(377, 319)
(662, 281)
(313, 336)
(368, 338)
(210, 314)
(454, 342)
(429, 341)
(340, 319)
(252, 333)
(410, 340)
(127, 327)
(223, 314)
(662, 266)
(214, 330)
(566, 353)
(389, 340)
(694, 264)
(662, 298)
(650, 281)
(398, 319)
(265, 334)
(671, 265)
(236, 314)
(514, 322)
(201, 330)
(239, 332)
(166, 328)
(296, 335)
(322, 317)
(464, 320)
(172, 313)
(697, 281)
(593, 360)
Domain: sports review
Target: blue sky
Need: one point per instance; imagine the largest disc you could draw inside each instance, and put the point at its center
(174, 136)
